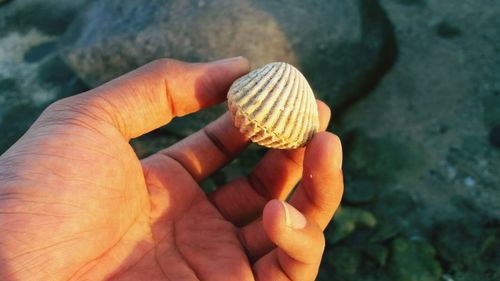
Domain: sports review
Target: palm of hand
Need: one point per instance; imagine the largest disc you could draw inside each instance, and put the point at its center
(178, 233)
(100, 212)
(131, 220)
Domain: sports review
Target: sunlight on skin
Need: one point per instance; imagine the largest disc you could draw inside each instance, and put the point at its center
(77, 204)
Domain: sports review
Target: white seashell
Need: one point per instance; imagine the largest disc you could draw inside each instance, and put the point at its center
(274, 106)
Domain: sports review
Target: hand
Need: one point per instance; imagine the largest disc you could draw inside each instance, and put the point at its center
(77, 204)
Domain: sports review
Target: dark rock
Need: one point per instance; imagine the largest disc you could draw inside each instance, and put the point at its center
(446, 30)
(18, 111)
(410, 2)
(345, 263)
(359, 191)
(469, 248)
(51, 17)
(386, 231)
(9, 88)
(15, 121)
(342, 46)
(495, 136)
(55, 74)
(401, 204)
(8, 84)
(4, 2)
(347, 220)
(414, 260)
(381, 159)
(38, 52)
(377, 252)
(344, 51)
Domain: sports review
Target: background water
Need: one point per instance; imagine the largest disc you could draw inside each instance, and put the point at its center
(414, 87)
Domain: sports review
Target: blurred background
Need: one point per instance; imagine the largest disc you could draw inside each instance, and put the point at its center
(414, 86)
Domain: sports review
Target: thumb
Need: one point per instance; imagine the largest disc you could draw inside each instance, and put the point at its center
(150, 96)
(299, 244)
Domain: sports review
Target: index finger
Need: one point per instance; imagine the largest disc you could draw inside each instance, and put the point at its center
(320, 191)
(150, 96)
(274, 177)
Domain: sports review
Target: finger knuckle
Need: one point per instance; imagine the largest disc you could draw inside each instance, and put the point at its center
(163, 63)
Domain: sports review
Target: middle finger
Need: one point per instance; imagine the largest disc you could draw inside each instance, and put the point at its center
(242, 200)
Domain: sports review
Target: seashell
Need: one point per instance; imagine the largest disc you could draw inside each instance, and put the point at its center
(274, 106)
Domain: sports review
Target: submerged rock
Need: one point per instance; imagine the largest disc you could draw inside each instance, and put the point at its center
(414, 260)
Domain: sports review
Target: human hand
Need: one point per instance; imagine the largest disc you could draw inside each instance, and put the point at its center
(77, 204)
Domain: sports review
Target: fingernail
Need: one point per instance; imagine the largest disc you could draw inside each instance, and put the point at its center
(294, 218)
(228, 60)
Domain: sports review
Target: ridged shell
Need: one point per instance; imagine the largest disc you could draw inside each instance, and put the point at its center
(274, 106)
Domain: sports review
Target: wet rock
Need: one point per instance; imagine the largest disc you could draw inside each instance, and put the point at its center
(385, 231)
(410, 2)
(347, 220)
(8, 84)
(4, 2)
(469, 247)
(38, 52)
(381, 158)
(50, 17)
(345, 263)
(414, 260)
(495, 136)
(446, 30)
(377, 252)
(31, 75)
(434, 84)
(342, 46)
(359, 191)
(15, 120)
